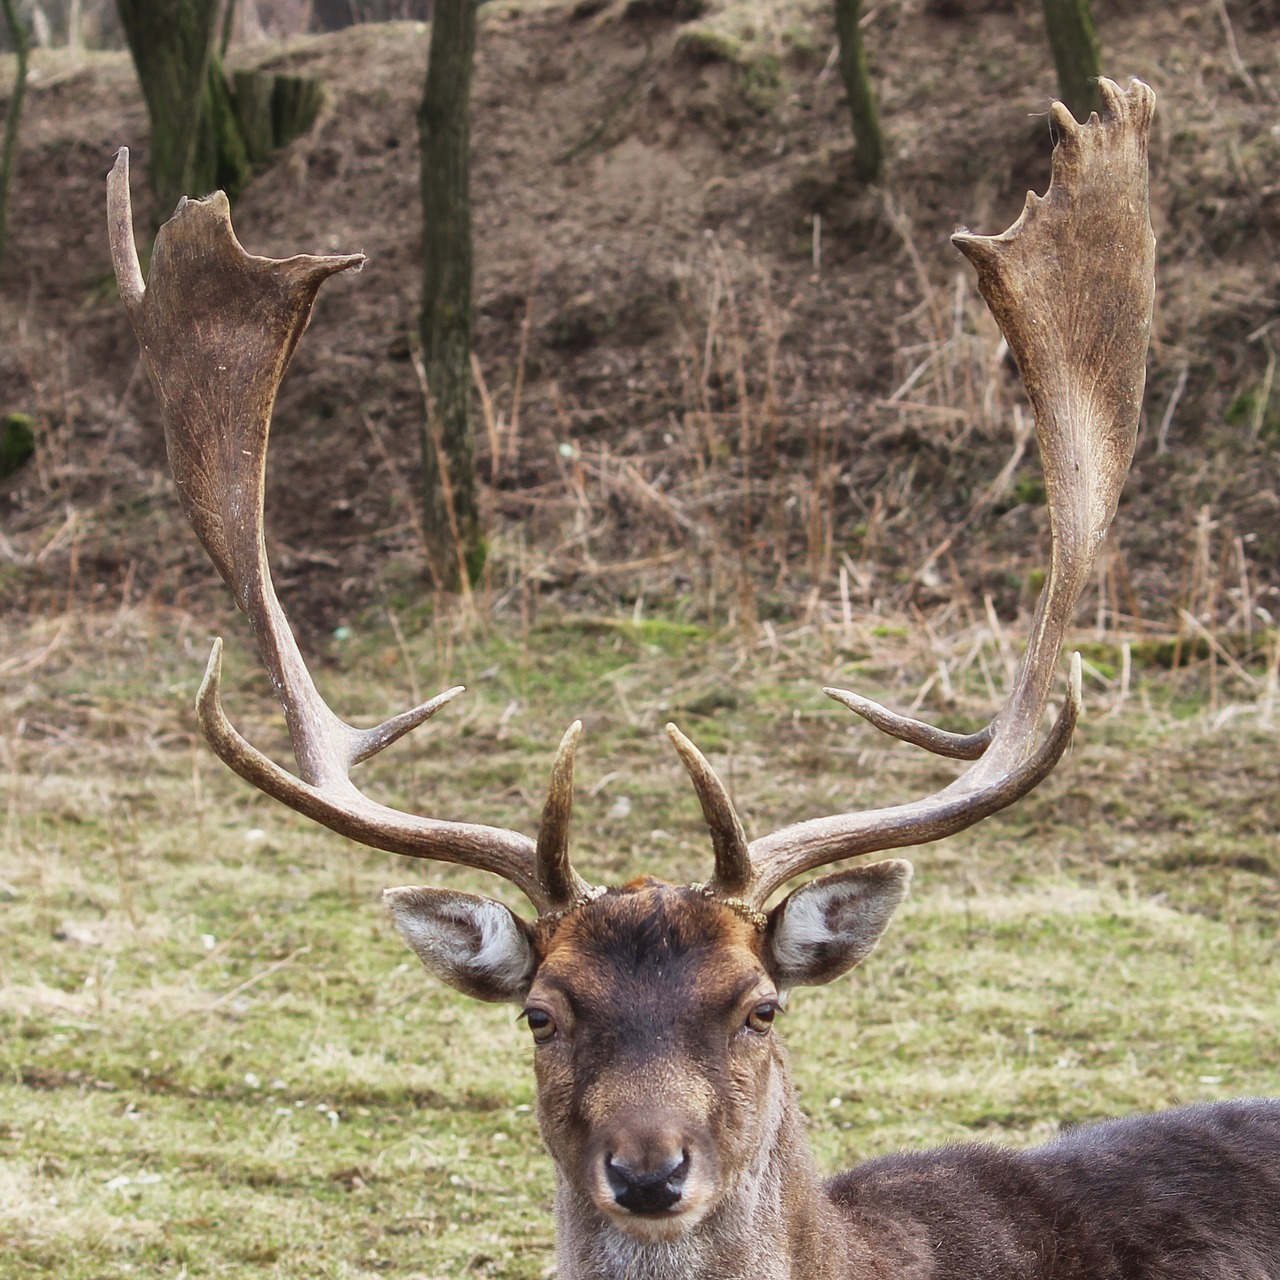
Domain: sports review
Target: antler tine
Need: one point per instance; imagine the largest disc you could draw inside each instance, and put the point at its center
(217, 327)
(733, 870)
(959, 746)
(558, 880)
(1072, 285)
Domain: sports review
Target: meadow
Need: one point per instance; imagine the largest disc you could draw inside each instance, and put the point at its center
(216, 1058)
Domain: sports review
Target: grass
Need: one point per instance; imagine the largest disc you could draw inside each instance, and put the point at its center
(216, 1058)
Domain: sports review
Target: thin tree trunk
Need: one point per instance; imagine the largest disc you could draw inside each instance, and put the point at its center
(228, 26)
(451, 514)
(869, 159)
(22, 48)
(1076, 54)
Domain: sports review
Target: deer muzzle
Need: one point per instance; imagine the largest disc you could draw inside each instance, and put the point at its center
(652, 1172)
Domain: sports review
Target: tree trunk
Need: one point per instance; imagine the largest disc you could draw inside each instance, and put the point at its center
(1076, 54)
(869, 160)
(455, 537)
(222, 162)
(206, 135)
(22, 50)
(172, 46)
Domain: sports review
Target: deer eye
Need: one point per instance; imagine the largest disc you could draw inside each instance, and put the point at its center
(760, 1019)
(541, 1023)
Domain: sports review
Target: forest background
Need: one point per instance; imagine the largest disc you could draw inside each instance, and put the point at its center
(744, 429)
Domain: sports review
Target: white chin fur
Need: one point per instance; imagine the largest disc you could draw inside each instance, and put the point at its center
(624, 1254)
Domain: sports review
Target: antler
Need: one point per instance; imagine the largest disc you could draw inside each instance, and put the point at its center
(1071, 284)
(217, 327)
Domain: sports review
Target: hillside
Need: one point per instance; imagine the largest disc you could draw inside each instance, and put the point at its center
(745, 383)
(725, 386)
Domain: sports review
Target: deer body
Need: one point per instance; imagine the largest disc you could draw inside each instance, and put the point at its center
(652, 1054)
(1190, 1194)
(664, 1097)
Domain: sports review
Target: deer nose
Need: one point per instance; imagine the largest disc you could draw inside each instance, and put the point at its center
(646, 1190)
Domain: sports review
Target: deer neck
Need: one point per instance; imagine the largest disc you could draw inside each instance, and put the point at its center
(775, 1222)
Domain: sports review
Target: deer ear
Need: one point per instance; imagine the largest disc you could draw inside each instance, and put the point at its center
(827, 926)
(474, 944)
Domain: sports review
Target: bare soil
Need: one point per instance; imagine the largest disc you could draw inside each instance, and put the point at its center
(715, 319)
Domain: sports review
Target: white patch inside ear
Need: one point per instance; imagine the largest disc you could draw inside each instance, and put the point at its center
(831, 924)
(472, 943)
(804, 929)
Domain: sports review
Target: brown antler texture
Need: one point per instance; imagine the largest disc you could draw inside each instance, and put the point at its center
(217, 327)
(1072, 285)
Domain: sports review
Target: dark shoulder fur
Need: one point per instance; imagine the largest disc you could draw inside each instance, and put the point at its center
(980, 1211)
(1192, 1194)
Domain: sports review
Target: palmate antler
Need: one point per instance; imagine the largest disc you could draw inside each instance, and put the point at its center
(1071, 284)
(217, 327)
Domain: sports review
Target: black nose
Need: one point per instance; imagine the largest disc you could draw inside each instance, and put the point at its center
(646, 1190)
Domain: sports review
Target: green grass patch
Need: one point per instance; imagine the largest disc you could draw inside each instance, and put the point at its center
(215, 1055)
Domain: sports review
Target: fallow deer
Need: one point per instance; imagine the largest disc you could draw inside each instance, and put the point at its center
(663, 1095)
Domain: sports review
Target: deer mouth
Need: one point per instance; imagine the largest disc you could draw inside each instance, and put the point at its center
(656, 1226)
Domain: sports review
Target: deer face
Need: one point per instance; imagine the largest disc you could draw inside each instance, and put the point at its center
(651, 1015)
(652, 1008)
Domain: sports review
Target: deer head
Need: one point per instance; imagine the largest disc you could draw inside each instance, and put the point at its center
(663, 1095)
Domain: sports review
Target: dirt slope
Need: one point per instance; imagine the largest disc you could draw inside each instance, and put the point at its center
(705, 405)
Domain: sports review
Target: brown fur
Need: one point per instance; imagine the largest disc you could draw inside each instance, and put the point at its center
(649, 987)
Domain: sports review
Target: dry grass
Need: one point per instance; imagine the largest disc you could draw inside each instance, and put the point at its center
(217, 1059)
